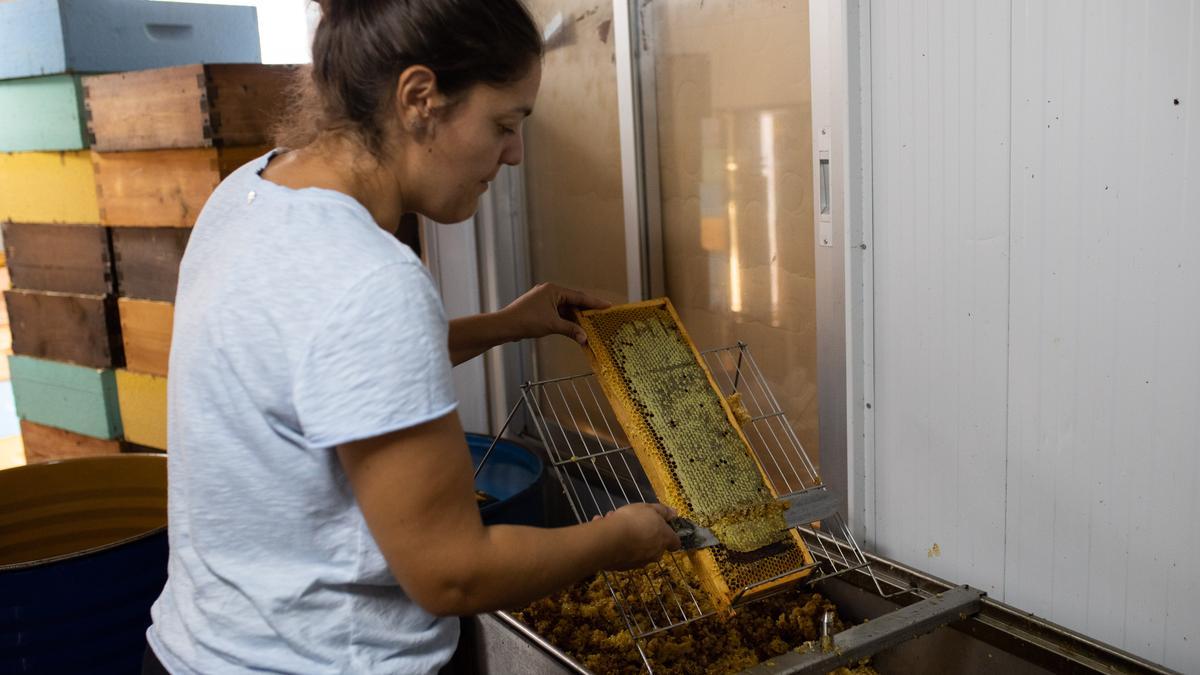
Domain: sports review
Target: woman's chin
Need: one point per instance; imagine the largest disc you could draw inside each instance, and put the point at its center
(454, 214)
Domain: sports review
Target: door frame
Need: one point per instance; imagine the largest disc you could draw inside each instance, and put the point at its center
(637, 109)
(845, 283)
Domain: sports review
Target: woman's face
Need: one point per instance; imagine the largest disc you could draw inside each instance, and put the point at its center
(466, 146)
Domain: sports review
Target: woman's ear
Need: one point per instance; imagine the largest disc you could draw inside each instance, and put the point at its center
(417, 97)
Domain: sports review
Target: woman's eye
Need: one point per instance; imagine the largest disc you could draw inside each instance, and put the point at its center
(507, 130)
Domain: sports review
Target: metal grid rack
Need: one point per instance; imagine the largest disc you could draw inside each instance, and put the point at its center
(599, 472)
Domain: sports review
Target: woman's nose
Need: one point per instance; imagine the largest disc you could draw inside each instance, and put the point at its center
(514, 151)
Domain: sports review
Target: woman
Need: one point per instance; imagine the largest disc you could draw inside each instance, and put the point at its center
(322, 514)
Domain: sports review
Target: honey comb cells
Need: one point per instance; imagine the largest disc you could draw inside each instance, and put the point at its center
(717, 478)
(691, 445)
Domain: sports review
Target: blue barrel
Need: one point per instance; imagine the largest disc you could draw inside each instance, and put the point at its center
(83, 556)
(513, 475)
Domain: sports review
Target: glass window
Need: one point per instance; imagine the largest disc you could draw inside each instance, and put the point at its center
(734, 109)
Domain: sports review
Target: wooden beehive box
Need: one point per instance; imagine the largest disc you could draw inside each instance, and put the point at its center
(65, 396)
(62, 258)
(44, 37)
(48, 187)
(147, 261)
(143, 402)
(196, 106)
(80, 329)
(43, 443)
(162, 188)
(146, 331)
(42, 113)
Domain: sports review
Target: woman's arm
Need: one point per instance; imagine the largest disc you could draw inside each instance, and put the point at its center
(544, 310)
(473, 335)
(415, 489)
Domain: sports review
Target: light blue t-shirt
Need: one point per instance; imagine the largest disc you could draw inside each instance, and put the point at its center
(299, 325)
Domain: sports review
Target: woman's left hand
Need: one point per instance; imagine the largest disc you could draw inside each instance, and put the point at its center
(546, 309)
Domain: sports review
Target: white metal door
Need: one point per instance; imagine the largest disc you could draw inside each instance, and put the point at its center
(1034, 179)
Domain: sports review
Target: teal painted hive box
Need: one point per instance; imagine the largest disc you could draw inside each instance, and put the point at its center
(75, 398)
(48, 37)
(42, 113)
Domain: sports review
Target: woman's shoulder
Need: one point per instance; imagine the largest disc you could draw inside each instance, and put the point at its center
(318, 240)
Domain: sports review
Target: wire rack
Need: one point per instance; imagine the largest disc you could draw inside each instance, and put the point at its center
(599, 472)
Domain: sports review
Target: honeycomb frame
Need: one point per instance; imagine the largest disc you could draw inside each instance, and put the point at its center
(726, 576)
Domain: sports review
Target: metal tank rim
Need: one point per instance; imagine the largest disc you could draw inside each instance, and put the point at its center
(12, 567)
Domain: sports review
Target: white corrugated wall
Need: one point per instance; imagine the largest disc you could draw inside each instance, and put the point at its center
(1037, 307)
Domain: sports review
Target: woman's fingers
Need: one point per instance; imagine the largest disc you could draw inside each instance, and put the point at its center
(548, 309)
(569, 297)
(665, 511)
(570, 329)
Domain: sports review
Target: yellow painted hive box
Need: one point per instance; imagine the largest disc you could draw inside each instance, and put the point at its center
(143, 402)
(48, 187)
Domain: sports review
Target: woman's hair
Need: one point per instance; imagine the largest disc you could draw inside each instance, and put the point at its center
(361, 47)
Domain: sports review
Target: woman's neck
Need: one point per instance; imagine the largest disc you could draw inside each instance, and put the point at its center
(342, 166)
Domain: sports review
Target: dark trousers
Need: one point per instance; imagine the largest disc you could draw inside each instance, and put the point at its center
(151, 664)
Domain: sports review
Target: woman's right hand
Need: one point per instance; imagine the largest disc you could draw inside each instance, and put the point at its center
(643, 535)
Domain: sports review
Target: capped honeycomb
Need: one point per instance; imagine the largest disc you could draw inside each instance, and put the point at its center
(689, 440)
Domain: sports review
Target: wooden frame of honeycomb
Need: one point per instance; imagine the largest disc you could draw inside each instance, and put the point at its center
(632, 346)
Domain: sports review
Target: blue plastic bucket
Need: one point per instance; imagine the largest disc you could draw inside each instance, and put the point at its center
(513, 475)
(83, 556)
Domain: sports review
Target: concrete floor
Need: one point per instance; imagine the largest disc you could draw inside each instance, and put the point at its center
(12, 452)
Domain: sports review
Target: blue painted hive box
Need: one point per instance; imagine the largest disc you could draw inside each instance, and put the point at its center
(42, 114)
(66, 396)
(47, 37)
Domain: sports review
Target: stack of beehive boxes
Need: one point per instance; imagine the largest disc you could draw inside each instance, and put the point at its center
(64, 310)
(162, 140)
